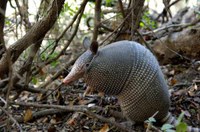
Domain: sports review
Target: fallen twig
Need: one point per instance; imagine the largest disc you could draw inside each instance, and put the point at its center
(12, 118)
(74, 108)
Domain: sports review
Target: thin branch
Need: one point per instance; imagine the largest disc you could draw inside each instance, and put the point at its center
(10, 83)
(12, 119)
(168, 7)
(29, 62)
(10, 86)
(120, 25)
(73, 34)
(70, 39)
(22, 13)
(40, 114)
(120, 126)
(121, 8)
(3, 100)
(82, 6)
(57, 74)
(75, 108)
(149, 126)
(36, 33)
(146, 44)
(27, 65)
(97, 19)
(182, 26)
(29, 88)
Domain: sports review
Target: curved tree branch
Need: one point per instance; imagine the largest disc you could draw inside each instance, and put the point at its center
(36, 33)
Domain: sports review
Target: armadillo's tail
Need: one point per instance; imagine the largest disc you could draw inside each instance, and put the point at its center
(169, 119)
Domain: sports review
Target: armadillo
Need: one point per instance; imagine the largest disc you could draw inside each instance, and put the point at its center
(129, 71)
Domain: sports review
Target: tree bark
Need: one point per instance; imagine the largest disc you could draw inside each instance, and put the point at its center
(137, 6)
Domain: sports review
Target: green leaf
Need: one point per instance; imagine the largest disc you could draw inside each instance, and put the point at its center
(167, 126)
(54, 63)
(142, 24)
(43, 56)
(53, 55)
(147, 21)
(108, 2)
(34, 80)
(181, 127)
(150, 120)
(7, 22)
(180, 117)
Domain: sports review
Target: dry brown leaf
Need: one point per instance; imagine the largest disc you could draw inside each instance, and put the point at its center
(72, 121)
(28, 115)
(52, 129)
(53, 121)
(41, 71)
(33, 129)
(105, 128)
(40, 96)
(101, 94)
(82, 102)
(173, 81)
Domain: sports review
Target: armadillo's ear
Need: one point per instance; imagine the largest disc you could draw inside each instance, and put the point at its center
(94, 47)
(86, 42)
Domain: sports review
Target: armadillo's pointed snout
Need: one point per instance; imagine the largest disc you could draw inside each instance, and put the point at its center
(72, 76)
(67, 80)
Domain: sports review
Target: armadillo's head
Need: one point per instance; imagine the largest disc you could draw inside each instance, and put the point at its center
(79, 67)
(83, 62)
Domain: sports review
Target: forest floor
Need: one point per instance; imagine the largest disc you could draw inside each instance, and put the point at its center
(184, 86)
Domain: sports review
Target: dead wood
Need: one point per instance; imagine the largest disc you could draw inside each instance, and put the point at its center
(179, 41)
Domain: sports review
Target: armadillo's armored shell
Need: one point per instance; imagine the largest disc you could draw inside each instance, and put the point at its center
(130, 71)
(110, 68)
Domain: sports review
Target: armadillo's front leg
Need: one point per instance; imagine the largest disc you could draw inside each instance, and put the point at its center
(89, 90)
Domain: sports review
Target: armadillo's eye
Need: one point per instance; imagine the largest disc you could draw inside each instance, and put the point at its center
(87, 64)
